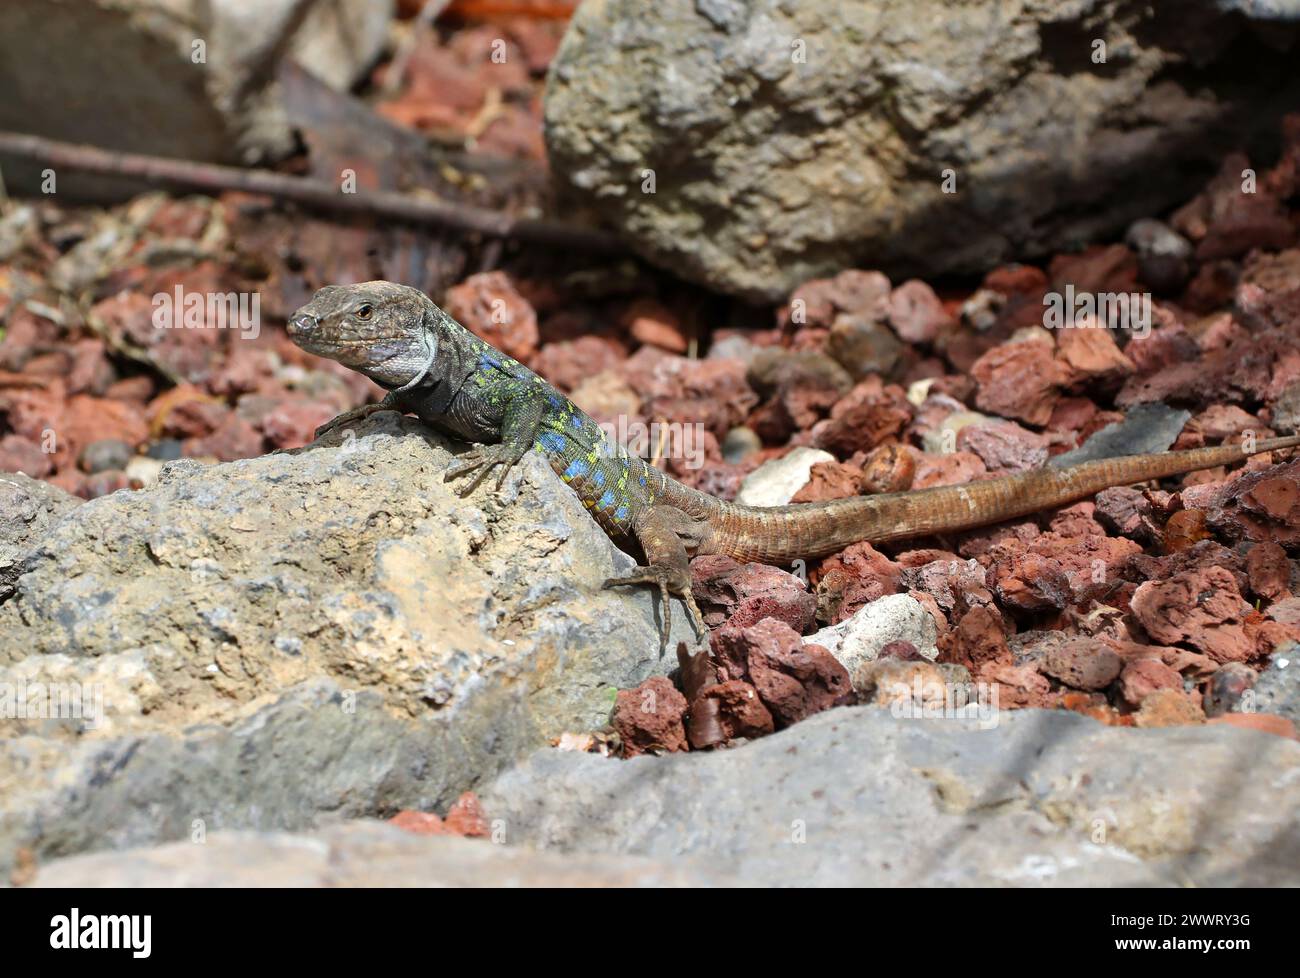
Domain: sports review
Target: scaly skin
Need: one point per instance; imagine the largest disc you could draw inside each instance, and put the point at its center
(446, 376)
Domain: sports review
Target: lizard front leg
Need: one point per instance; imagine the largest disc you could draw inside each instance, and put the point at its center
(664, 533)
(520, 422)
(389, 403)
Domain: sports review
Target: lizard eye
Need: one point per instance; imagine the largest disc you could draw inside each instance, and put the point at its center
(365, 312)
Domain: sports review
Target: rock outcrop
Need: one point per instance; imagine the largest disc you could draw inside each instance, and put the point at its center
(753, 146)
(329, 630)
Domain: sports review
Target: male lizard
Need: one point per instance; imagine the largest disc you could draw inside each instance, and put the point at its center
(436, 369)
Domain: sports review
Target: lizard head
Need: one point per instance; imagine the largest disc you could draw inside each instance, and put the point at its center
(377, 328)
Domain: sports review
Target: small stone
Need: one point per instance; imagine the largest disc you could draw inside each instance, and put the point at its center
(864, 347)
(794, 680)
(1142, 677)
(739, 444)
(775, 482)
(1003, 446)
(649, 717)
(165, 450)
(916, 313)
(1269, 571)
(892, 618)
(727, 710)
(142, 471)
(743, 594)
(888, 468)
(1168, 708)
(489, 305)
(1201, 608)
(1019, 380)
(19, 454)
(651, 322)
(1083, 663)
(1227, 687)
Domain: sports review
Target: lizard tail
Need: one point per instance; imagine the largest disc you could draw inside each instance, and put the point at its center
(782, 533)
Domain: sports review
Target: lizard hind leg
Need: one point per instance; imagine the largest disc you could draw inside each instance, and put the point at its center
(664, 533)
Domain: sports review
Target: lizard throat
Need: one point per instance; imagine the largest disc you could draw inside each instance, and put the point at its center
(429, 344)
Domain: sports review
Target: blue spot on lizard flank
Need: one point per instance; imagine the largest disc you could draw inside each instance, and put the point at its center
(620, 513)
(606, 500)
(578, 467)
(598, 477)
(551, 441)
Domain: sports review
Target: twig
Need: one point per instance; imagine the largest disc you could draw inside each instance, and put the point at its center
(422, 24)
(400, 207)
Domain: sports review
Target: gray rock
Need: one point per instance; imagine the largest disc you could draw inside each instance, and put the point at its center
(863, 347)
(893, 618)
(1146, 428)
(362, 854)
(325, 630)
(105, 454)
(1164, 255)
(739, 444)
(28, 508)
(775, 482)
(791, 140)
(855, 797)
(1286, 409)
(1278, 688)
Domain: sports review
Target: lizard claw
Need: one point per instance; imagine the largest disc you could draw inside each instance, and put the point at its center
(670, 583)
(483, 458)
(348, 417)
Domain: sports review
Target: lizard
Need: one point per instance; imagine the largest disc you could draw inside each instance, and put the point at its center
(451, 379)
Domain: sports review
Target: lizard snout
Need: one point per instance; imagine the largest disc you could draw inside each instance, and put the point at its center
(302, 325)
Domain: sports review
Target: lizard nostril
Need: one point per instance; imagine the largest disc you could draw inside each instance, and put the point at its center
(302, 323)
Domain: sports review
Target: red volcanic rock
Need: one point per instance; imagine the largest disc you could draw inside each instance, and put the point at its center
(854, 577)
(650, 717)
(654, 323)
(830, 480)
(888, 468)
(1083, 663)
(1019, 380)
(1142, 677)
(1003, 446)
(1268, 571)
(792, 679)
(489, 305)
(567, 363)
(915, 312)
(1201, 608)
(742, 594)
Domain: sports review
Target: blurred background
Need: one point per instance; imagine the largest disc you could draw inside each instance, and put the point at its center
(620, 177)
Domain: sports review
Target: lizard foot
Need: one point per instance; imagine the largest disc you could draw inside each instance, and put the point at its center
(348, 417)
(484, 458)
(670, 581)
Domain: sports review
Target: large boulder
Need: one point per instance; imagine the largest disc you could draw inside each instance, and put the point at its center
(790, 140)
(28, 507)
(362, 854)
(859, 797)
(251, 644)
